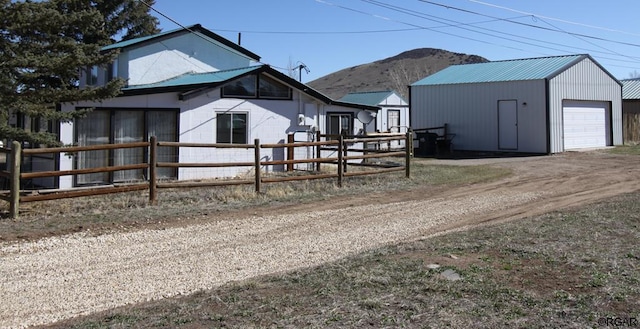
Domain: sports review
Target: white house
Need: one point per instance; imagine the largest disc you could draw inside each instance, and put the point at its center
(536, 105)
(191, 85)
(394, 110)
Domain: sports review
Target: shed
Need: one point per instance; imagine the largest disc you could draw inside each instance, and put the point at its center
(536, 105)
(394, 110)
(631, 110)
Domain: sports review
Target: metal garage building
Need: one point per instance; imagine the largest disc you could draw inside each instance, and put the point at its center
(535, 105)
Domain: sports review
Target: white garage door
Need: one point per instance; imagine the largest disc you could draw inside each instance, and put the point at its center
(585, 124)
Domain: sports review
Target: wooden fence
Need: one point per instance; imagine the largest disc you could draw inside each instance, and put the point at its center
(347, 150)
(631, 127)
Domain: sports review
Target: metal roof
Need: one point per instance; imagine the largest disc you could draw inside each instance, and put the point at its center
(197, 28)
(510, 70)
(194, 83)
(631, 89)
(192, 79)
(373, 98)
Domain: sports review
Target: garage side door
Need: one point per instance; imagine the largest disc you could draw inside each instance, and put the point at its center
(585, 124)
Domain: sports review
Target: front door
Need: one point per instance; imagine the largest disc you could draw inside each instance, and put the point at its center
(508, 125)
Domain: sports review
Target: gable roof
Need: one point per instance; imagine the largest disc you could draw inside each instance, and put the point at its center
(631, 89)
(509, 70)
(197, 28)
(373, 98)
(189, 80)
(193, 84)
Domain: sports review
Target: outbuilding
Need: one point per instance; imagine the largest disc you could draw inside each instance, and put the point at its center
(631, 110)
(535, 105)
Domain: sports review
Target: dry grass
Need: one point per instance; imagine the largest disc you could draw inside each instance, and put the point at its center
(565, 269)
(130, 210)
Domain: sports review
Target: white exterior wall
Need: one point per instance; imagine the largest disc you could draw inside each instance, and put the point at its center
(588, 82)
(173, 57)
(268, 120)
(393, 102)
(471, 112)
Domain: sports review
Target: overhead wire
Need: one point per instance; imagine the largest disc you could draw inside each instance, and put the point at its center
(553, 19)
(462, 26)
(186, 28)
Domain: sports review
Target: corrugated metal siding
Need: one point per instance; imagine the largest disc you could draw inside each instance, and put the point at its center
(583, 81)
(631, 89)
(471, 112)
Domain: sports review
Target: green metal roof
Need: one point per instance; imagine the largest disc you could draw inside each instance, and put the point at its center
(510, 70)
(631, 89)
(190, 82)
(373, 98)
(192, 79)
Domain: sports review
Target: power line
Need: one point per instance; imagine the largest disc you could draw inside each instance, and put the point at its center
(462, 26)
(197, 34)
(553, 19)
(580, 37)
(531, 25)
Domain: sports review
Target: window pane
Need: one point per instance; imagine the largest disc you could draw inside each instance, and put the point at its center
(239, 130)
(163, 124)
(128, 128)
(243, 87)
(93, 130)
(223, 128)
(270, 88)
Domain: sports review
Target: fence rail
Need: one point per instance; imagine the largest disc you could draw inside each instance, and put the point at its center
(346, 151)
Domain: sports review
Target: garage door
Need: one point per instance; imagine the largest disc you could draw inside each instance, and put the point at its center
(585, 124)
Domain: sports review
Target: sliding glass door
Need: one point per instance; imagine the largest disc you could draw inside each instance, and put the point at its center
(119, 126)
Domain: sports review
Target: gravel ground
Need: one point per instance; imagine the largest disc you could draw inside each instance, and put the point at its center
(61, 277)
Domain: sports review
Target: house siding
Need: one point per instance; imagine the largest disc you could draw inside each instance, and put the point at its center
(268, 120)
(584, 81)
(173, 57)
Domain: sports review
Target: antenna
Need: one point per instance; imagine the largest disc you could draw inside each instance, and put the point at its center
(301, 66)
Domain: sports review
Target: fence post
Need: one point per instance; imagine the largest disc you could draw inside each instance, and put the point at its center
(153, 166)
(345, 150)
(340, 160)
(16, 156)
(318, 151)
(290, 151)
(257, 164)
(407, 154)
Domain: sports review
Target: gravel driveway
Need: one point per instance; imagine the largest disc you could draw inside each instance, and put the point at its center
(61, 277)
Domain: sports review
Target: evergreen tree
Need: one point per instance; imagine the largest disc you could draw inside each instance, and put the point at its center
(43, 47)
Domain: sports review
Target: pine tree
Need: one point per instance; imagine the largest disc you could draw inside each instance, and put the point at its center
(43, 46)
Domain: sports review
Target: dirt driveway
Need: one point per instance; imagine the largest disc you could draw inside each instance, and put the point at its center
(61, 277)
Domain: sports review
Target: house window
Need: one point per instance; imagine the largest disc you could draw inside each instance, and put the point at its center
(231, 128)
(339, 123)
(112, 70)
(92, 76)
(270, 88)
(245, 87)
(115, 126)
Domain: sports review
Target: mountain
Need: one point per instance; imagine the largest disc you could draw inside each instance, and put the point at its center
(393, 73)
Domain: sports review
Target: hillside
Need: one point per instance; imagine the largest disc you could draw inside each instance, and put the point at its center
(393, 73)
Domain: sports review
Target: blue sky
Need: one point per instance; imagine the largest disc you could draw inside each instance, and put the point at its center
(330, 35)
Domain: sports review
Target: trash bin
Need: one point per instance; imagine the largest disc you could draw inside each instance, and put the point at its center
(443, 146)
(426, 144)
